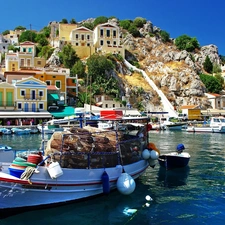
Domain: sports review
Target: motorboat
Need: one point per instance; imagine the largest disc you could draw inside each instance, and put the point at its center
(170, 124)
(6, 154)
(214, 125)
(174, 160)
(48, 128)
(5, 147)
(76, 164)
(5, 131)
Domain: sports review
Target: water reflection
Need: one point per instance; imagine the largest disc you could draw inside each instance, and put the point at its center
(173, 178)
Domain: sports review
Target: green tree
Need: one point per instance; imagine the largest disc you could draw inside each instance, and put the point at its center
(216, 68)
(41, 39)
(46, 31)
(139, 21)
(207, 65)
(90, 26)
(5, 32)
(125, 24)
(211, 83)
(46, 52)
(68, 56)
(134, 31)
(184, 42)
(64, 21)
(165, 36)
(20, 28)
(220, 79)
(98, 65)
(27, 35)
(79, 69)
(73, 21)
(100, 20)
(13, 48)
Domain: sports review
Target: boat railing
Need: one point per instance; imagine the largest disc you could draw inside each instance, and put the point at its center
(100, 149)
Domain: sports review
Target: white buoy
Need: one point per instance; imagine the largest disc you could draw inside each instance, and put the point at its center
(146, 154)
(154, 154)
(148, 198)
(125, 184)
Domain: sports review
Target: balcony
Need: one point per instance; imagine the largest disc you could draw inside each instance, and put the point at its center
(32, 97)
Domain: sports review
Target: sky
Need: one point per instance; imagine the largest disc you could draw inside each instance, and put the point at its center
(203, 19)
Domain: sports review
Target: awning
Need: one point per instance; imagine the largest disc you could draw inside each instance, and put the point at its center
(67, 111)
(53, 96)
(19, 115)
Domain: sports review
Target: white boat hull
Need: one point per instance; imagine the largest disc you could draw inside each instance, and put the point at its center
(193, 129)
(74, 184)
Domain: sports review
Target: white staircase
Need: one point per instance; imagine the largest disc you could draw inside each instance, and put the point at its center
(166, 104)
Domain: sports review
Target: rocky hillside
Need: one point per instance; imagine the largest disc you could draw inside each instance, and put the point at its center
(174, 72)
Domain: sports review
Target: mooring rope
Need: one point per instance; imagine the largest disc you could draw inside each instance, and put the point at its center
(27, 173)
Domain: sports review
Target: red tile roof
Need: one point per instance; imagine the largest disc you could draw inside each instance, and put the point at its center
(188, 106)
(52, 88)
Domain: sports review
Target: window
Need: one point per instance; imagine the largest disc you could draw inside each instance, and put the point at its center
(28, 62)
(114, 43)
(24, 49)
(108, 42)
(41, 93)
(101, 32)
(77, 36)
(22, 92)
(82, 37)
(114, 33)
(53, 76)
(41, 106)
(39, 62)
(106, 105)
(19, 105)
(30, 50)
(113, 105)
(88, 44)
(13, 64)
(77, 44)
(88, 37)
(74, 81)
(108, 33)
(22, 62)
(101, 42)
(48, 82)
(58, 84)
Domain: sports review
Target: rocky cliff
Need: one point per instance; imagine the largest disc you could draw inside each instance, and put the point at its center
(175, 72)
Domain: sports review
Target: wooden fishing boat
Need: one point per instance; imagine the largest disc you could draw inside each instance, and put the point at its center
(77, 164)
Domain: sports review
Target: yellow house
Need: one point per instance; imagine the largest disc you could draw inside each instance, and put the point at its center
(31, 95)
(64, 33)
(55, 78)
(107, 39)
(82, 41)
(7, 99)
(25, 59)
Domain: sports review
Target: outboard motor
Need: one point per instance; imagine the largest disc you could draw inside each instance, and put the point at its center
(180, 148)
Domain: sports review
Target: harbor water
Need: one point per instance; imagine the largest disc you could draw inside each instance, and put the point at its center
(193, 195)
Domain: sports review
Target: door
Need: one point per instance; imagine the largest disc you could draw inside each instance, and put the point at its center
(26, 108)
(33, 107)
(9, 99)
(1, 102)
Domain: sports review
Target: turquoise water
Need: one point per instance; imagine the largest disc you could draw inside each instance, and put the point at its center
(193, 195)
